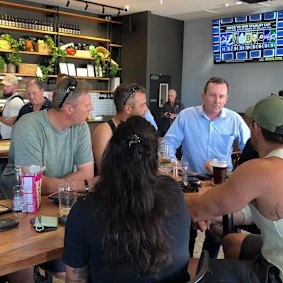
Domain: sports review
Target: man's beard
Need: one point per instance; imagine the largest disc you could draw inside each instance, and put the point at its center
(7, 94)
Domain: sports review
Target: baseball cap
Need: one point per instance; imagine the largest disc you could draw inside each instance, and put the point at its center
(268, 113)
(10, 80)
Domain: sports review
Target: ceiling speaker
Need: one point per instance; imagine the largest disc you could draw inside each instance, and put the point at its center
(253, 1)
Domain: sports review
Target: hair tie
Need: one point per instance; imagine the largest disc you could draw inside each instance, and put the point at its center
(134, 140)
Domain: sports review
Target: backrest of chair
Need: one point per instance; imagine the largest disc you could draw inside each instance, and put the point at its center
(202, 267)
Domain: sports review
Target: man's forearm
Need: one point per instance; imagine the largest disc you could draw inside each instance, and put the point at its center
(9, 121)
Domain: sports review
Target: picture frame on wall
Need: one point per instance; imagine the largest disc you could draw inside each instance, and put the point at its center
(90, 70)
(163, 93)
(63, 68)
(71, 69)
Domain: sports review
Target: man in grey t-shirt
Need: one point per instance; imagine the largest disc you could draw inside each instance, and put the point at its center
(58, 139)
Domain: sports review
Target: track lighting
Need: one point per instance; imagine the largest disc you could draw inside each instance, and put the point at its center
(86, 2)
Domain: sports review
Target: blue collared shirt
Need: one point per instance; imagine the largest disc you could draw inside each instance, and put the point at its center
(203, 139)
(149, 117)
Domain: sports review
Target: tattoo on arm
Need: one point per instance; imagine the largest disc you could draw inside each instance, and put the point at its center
(78, 275)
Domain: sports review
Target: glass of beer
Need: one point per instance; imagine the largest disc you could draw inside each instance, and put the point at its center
(219, 171)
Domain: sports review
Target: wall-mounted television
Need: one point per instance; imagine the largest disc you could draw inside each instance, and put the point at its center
(253, 38)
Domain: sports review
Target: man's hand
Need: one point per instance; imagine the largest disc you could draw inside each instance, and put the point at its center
(201, 225)
(172, 115)
(208, 166)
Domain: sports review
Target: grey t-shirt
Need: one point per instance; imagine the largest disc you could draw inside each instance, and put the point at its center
(36, 142)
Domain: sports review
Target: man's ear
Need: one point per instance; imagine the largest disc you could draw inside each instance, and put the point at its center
(128, 108)
(67, 109)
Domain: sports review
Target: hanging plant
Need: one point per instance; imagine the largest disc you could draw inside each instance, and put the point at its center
(98, 58)
(113, 70)
(55, 52)
(2, 64)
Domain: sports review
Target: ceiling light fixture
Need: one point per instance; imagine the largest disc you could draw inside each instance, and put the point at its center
(238, 2)
(161, 2)
(68, 3)
(227, 5)
(86, 2)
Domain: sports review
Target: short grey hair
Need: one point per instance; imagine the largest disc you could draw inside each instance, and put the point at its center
(61, 87)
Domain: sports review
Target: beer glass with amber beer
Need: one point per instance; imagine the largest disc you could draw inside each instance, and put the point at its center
(219, 171)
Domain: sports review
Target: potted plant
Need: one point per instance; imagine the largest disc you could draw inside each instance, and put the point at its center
(14, 58)
(114, 81)
(99, 57)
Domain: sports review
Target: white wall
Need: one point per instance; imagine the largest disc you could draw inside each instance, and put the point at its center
(249, 82)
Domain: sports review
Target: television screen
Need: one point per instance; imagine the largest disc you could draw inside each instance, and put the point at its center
(254, 38)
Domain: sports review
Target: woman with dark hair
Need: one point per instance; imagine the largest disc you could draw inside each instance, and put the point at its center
(135, 226)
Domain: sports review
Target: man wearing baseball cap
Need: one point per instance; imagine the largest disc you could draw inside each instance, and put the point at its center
(259, 184)
(12, 106)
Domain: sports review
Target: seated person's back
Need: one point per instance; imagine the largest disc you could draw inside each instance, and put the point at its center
(135, 226)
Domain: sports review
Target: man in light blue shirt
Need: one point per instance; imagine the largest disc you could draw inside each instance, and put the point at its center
(149, 117)
(207, 131)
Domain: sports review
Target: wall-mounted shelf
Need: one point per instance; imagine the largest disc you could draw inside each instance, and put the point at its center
(84, 37)
(27, 30)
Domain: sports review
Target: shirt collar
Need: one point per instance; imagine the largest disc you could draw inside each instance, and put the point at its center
(223, 113)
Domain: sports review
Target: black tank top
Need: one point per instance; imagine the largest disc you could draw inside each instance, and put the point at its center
(112, 125)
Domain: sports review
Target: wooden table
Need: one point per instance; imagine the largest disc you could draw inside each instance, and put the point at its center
(227, 219)
(4, 148)
(23, 247)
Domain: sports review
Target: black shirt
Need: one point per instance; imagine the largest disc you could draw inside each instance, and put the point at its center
(28, 108)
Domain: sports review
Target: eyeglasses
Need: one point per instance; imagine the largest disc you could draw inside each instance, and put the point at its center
(135, 88)
(71, 87)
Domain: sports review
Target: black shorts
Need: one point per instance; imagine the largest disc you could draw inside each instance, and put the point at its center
(251, 269)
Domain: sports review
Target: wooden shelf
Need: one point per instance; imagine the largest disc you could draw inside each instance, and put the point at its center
(84, 37)
(28, 52)
(27, 30)
(26, 7)
(54, 12)
(18, 75)
(85, 78)
(115, 45)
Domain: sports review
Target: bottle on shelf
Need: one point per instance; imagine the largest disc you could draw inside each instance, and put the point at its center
(19, 206)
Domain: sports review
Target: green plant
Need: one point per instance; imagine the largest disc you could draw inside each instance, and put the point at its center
(99, 59)
(14, 56)
(2, 64)
(55, 53)
(113, 70)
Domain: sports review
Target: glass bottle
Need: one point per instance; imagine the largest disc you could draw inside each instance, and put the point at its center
(19, 207)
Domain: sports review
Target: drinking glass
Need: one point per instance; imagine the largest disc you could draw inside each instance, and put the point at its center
(67, 197)
(219, 170)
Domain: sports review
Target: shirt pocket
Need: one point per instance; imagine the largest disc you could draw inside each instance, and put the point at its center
(224, 143)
